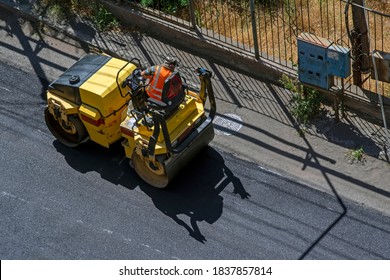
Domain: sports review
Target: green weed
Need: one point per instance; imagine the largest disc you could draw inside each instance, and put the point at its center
(104, 19)
(61, 9)
(356, 155)
(305, 102)
(56, 13)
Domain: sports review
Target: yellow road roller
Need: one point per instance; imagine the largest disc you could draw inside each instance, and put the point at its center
(103, 99)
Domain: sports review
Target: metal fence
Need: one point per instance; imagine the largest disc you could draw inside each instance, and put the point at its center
(269, 28)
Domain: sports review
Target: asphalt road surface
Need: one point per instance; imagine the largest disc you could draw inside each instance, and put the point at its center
(87, 203)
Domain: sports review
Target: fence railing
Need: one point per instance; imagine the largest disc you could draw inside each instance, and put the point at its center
(269, 28)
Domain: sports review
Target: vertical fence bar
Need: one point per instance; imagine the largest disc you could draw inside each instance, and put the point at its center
(248, 18)
(308, 15)
(272, 31)
(341, 25)
(334, 22)
(230, 28)
(321, 22)
(219, 20)
(375, 38)
(215, 19)
(224, 21)
(260, 42)
(284, 35)
(383, 47)
(302, 16)
(213, 12)
(369, 33)
(290, 30)
(235, 27)
(242, 21)
(205, 17)
(278, 39)
(266, 33)
(296, 17)
(327, 17)
(254, 30)
(192, 13)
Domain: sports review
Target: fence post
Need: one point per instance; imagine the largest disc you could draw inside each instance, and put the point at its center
(360, 44)
(254, 29)
(192, 13)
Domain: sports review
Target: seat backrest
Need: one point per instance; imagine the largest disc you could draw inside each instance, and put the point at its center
(173, 92)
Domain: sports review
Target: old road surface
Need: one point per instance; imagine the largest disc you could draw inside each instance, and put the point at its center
(86, 203)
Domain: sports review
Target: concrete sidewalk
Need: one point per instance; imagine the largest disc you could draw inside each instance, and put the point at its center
(253, 120)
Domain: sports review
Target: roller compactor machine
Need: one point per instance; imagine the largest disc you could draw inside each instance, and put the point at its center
(102, 99)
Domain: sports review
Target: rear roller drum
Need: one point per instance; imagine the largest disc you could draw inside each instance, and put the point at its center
(70, 134)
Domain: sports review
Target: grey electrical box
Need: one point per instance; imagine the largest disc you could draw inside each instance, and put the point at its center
(382, 63)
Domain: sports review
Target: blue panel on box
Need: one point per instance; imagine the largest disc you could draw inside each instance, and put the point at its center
(311, 57)
(339, 61)
(315, 78)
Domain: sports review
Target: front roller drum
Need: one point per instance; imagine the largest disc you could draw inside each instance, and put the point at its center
(158, 174)
(71, 134)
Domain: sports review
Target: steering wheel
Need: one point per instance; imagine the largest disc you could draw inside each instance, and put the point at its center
(135, 80)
